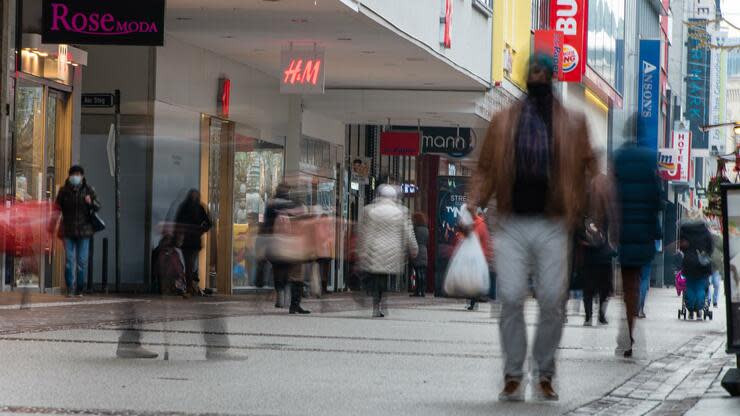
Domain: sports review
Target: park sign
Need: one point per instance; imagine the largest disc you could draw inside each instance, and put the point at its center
(86, 22)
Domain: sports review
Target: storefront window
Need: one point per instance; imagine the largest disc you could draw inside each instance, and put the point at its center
(35, 163)
(258, 169)
(606, 40)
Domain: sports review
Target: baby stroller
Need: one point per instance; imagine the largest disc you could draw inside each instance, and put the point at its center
(681, 289)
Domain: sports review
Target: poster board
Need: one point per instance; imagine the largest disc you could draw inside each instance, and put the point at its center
(731, 237)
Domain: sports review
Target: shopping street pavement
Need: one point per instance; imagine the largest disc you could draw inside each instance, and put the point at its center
(427, 357)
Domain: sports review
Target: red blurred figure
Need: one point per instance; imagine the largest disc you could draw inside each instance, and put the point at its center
(24, 227)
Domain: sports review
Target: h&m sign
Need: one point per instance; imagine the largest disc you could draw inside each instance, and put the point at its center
(87, 22)
(302, 72)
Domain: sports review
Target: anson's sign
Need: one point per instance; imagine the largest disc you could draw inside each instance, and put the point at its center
(570, 17)
(89, 22)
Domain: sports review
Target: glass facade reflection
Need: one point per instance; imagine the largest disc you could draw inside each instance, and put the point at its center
(606, 40)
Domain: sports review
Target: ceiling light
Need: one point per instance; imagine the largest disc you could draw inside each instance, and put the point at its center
(413, 59)
(301, 20)
(227, 37)
(428, 83)
(184, 19)
(258, 50)
(344, 39)
(368, 52)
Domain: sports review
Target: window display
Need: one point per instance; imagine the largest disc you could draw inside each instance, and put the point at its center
(258, 169)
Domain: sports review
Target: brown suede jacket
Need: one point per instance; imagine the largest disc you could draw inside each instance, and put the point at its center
(573, 164)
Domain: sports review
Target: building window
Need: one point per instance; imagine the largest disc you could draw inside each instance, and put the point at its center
(540, 14)
(606, 40)
(485, 6)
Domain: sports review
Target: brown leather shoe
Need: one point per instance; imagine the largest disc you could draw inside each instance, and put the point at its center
(513, 391)
(545, 390)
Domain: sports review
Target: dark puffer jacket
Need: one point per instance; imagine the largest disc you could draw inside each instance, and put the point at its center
(638, 192)
(697, 246)
(75, 211)
(422, 240)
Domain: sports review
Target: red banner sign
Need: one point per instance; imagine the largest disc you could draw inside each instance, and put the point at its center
(570, 17)
(550, 42)
(399, 143)
(447, 20)
(682, 145)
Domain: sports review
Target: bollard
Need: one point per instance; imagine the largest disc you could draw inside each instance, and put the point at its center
(105, 266)
(90, 262)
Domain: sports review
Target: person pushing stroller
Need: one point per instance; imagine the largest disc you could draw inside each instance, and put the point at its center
(697, 246)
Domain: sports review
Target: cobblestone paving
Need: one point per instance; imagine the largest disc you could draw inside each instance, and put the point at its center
(668, 386)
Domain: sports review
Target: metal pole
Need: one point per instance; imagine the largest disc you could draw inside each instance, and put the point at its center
(104, 277)
(117, 185)
(91, 261)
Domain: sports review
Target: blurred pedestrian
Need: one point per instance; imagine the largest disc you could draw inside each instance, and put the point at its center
(536, 162)
(481, 230)
(697, 246)
(77, 203)
(192, 222)
(421, 232)
(386, 241)
(324, 244)
(287, 246)
(596, 241)
(638, 193)
(717, 267)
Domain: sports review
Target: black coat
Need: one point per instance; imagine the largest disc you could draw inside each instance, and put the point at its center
(192, 221)
(638, 191)
(696, 241)
(76, 213)
(421, 232)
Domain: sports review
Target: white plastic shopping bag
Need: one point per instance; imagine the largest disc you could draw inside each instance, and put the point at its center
(467, 274)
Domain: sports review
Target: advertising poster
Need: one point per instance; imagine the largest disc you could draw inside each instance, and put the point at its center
(452, 193)
(731, 235)
(698, 63)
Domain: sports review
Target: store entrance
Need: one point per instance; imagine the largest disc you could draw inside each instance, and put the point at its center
(216, 150)
(41, 157)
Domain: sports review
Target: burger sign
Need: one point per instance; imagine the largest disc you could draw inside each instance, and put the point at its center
(570, 17)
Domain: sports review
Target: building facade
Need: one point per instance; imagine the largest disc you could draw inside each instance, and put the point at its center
(215, 107)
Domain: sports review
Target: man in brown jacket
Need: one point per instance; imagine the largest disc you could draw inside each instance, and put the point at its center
(535, 163)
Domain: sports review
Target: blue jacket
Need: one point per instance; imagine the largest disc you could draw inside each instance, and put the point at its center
(638, 191)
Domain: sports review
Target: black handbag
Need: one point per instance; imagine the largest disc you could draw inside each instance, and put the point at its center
(97, 223)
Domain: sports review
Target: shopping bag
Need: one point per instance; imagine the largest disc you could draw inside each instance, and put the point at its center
(315, 286)
(467, 274)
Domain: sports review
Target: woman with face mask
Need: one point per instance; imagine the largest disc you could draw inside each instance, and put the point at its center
(76, 202)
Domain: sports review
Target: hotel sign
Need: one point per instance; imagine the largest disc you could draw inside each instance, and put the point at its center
(85, 22)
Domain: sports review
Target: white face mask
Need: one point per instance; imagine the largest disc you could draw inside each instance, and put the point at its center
(75, 180)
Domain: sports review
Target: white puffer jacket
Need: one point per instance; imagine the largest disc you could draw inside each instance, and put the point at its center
(386, 238)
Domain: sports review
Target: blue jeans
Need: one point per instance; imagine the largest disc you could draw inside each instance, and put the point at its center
(696, 293)
(716, 280)
(77, 251)
(644, 285)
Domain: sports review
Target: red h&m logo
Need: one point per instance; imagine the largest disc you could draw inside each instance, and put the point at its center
(300, 73)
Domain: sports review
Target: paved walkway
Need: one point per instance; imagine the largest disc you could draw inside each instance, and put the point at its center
(428, 357)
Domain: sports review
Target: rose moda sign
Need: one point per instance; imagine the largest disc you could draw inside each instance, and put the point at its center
(570, 17)
(88, 22)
